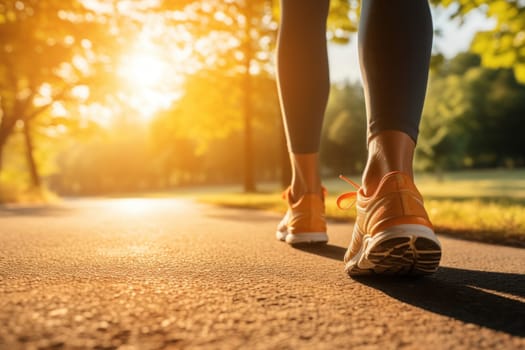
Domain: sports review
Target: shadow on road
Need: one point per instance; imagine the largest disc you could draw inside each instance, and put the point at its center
(326, 250)
(488, 299)
(467, 295)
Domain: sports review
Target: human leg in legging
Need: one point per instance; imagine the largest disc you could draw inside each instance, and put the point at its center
(395, 39)
(303, 81)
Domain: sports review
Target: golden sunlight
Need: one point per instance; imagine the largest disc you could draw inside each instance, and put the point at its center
(143, 70)
(132, 206)
(149, 84)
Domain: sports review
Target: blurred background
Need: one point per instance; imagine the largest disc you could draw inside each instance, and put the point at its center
(103, 97)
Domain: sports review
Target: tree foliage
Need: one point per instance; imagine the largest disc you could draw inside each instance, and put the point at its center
(54, 54)
(237, 40)
(471, 117)
(343, 142)
(504, 45)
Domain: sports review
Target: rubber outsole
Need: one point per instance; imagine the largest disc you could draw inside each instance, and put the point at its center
(401, 250)
(300, 238)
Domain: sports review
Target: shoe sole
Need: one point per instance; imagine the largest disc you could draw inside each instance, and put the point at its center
(307, 237)
(400, 250)
(280, 235)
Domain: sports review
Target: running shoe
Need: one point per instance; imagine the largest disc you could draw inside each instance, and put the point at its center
(392, 233)
(304, 221)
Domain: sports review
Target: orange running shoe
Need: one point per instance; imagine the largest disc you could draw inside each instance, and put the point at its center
(304, 221)
(392, 233)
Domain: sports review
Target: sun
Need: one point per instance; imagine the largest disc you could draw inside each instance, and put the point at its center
(143, 70)
(147, 82)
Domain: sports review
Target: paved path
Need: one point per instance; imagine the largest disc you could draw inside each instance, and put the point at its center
(170, 274)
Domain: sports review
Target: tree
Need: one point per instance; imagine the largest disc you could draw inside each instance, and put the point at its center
(343, 142)
(54, 56)
(247, 31)
(77, 44)
(503, 46)
(41, 61)
(442, 138)
(471, 117)
(207, 117)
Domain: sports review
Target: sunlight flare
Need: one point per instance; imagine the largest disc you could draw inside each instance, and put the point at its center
(149, 80)
(143, 70)
(132, 206)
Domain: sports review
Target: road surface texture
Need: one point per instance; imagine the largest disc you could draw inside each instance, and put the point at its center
(172, 274)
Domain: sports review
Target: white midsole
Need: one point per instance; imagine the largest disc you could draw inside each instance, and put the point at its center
(307, 237)
(281, 235)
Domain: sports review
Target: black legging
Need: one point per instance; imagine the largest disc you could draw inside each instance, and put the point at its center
(395, 40)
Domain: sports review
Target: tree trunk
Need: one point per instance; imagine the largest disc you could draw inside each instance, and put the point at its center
(249, 178)
(33, 170)
(3, 141)
(8, 124)
(5, 132)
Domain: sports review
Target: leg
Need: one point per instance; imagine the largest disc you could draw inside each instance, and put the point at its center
(395, 40)
(303, 81)
(393, 234)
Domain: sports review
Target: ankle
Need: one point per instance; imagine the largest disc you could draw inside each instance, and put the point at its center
(374, 173)
(299, 189)
(305, 174)
(388, 151)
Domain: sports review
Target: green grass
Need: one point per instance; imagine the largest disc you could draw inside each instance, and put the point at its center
(481, 205)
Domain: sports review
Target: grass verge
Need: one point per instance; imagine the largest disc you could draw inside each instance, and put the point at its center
(487, 206)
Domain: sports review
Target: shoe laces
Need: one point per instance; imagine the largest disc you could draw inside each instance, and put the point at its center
(348, 196)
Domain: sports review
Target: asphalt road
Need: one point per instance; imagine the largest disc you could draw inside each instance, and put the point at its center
(169, 274)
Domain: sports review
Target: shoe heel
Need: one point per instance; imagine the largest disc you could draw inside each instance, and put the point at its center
(402, 250)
